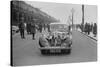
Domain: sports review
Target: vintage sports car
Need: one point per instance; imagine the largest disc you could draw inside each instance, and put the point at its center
(57, 41)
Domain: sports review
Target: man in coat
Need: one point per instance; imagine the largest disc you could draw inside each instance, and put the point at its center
(28, 28)
(95, 29)
(40, 27)
(33, 30)
(21, 29)
(48, 27)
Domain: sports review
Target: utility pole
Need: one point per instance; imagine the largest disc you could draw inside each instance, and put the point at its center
(72, 10)
(82, 18)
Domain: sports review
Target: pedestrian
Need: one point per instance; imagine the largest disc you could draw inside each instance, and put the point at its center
(95, 29)
(48, 27)
(69, 28)
(40, 28)
(28, 28)
(33, 30)
(86, 28)
(91, 27)
(21, 29)
(44, 26)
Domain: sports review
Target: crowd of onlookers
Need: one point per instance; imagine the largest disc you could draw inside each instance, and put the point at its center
(89, 28)
(31, 28)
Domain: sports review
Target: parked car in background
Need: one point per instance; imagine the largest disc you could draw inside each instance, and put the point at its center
(14, 30)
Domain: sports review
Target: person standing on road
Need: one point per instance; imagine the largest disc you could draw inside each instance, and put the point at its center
(21, 28)
(44, 26)
(33, 30)
(28, 28)
(86, 28)
(48, 26)
(40, 28)
(95, 29)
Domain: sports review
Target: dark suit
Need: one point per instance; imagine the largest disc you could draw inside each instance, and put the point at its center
(21, 29)
(33, 30)
(28, 28)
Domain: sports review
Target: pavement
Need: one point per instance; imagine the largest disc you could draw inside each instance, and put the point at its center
(91, 35)
(26, 51)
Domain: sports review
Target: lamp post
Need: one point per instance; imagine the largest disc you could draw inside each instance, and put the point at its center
(82, 18)
(72, 11)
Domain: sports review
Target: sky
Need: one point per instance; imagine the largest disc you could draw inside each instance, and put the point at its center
(62, 11)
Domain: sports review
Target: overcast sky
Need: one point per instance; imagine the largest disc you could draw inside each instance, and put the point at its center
(62, 11)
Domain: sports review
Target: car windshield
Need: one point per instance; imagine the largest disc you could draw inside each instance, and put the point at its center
(59, 27)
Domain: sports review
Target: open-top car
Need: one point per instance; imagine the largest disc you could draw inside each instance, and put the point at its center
(57, 41)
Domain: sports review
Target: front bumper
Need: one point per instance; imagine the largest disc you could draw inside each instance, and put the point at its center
(55, 50)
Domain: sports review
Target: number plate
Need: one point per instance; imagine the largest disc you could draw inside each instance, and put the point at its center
(55, 50)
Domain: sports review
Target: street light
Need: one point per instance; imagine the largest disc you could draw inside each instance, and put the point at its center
(82, 18)
(72, 11)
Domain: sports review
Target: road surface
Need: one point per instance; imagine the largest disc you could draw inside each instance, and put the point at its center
(26, 52)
